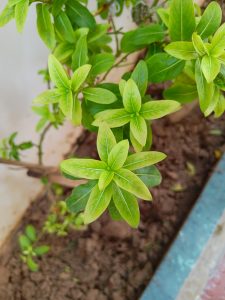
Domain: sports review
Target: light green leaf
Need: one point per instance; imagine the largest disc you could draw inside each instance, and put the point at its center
(220, 106)
(45, 26)
(24, 242)
(137, 146)
(181, 20)
(97, 203)
(41, 250)
(57, 73)
(80, 55)
(64, 27)
(76, 115)
(182, 50)
(13, 2)
(122, 84)
(148, 143)
(101, 63)
(143, 159)
(77, 201)
(49, 97)
(221, 58)
(128, 181)
(99, 95)
(63, 51)
(182, 93)
(138, 128)
(21, 10)
(210, 67)
(31, 233)
(159, 108)
(105, 179)
(6, 15)
(98, 32)
(83, 168)
(141, 37)
(66, 104)
(79, 14)
(127, 206)
(113, 212)
(163, 67)
(32, 265)
(205, 90)
(150, 176)
(214, 100)
(210, 20)
(79, 77)
(105, 142)
(131, 97)
(140, 76)
(198, 44)
(113, 117)
(218, 42)
(164, 15)
(118, 155)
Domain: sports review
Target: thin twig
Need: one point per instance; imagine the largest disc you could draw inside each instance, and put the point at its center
(116, 36)
(40, 144)
(37, 171)
(29, 166)
(115, 65)
(118, 31)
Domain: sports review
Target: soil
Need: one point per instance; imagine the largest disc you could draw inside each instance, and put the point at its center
(110, 261)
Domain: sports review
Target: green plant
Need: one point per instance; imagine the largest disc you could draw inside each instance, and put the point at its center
(115, 178)
(29, 249)
(10, 149)
(183, 47)
(60, 220)
(198, 42)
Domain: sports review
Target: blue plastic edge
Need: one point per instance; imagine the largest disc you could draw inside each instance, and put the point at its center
(190, 241)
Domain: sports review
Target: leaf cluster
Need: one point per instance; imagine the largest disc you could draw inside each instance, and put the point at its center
(200, 42)
(29, 250)
(61, 220)
(114, 181)
(9, 149)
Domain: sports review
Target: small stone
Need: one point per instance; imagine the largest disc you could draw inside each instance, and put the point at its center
(117, 230)
(90, 246)
(95, 294)
(118, 296)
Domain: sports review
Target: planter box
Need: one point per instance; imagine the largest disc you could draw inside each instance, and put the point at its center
(194, 266)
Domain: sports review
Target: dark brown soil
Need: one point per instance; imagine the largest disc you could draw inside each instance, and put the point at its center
(109, 260)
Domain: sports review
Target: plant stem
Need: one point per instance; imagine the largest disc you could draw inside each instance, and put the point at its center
(30, 166)
(38, 171)
(116, 36)
(115, 65)
(118, 31)
(40, 144)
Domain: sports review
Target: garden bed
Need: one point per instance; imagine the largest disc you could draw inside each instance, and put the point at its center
(109, 260)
